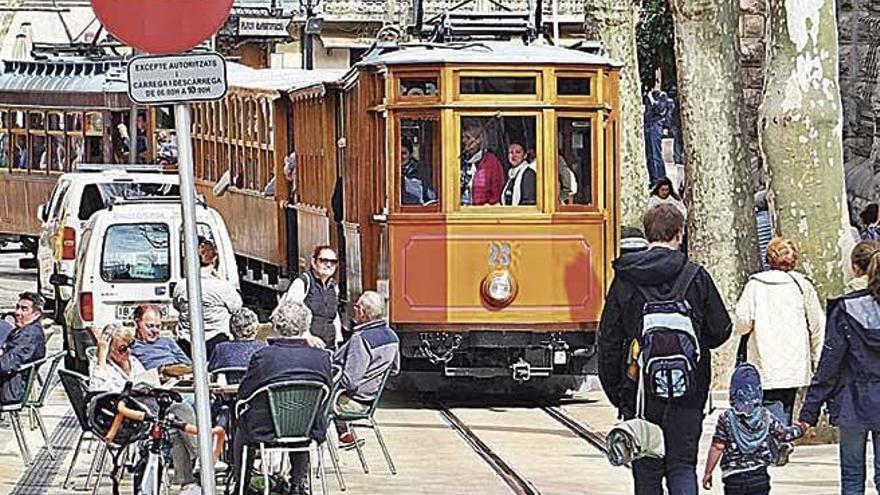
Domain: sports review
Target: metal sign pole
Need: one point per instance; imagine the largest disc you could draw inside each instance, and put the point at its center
(132, 128)
(194, 294)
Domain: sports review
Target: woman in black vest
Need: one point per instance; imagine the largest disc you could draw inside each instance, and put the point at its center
(318, 291)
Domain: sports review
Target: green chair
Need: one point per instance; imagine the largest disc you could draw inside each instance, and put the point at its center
(31, 371)
(76, 386)
(294, 407)
(37, 398)
(365, 419)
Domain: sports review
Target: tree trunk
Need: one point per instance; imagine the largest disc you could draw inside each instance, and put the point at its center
(613, 22)
(800, 138)
(721, 223)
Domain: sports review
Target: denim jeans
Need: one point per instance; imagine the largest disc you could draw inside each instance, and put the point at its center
(755, 482)
(654, 152)
(681, 479)
(852, 460)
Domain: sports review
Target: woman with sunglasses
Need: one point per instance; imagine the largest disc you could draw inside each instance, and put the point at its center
(318, 291)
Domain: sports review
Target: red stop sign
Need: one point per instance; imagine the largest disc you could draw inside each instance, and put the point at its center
(162, 26)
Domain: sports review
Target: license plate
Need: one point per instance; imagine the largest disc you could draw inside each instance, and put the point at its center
(560, 357)
(126, 312)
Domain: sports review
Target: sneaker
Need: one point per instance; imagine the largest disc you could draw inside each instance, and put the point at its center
(347, 441)
(219, 467)
(191, 489)
(785, 451)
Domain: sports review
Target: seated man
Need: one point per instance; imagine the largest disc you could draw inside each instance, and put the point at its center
(287, 358)
(149, 348)
(25, 344)
(364, 359)
(114, 367)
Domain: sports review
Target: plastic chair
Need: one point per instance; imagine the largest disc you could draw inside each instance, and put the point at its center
(76, 387)
(35, 401)
(294, 407)
(32, 370)
(368, 416)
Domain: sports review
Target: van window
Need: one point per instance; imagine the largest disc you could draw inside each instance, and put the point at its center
(136, 252)
(58, 200)
(97, 196)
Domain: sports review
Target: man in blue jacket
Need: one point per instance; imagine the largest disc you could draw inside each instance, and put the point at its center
(25, 344)
(287, 358)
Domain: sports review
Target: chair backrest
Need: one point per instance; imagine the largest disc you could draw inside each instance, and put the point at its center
(53, 361)
(232, 375)
(76, 386)
(380, 391)
(294, 406)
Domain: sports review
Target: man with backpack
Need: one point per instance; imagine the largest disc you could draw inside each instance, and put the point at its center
(662, 316)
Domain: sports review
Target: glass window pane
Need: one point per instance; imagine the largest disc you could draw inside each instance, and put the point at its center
(39, 152)
(17, 119)
(498, 161)
(94, 123)
(77, 151)
(136, 253)
(497, 85)
(418, 86)
(4, 150)
(94, 149)
(574, 161)
(74, 122)
(4, 119)
(58, 155)
(419, 156)
(573, 86)
(56, 122)
(20, 152)
(37, 121)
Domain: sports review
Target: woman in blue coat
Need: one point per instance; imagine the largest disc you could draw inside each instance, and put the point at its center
(848, 379)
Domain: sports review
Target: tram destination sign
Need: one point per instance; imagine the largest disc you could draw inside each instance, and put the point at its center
(176, 78)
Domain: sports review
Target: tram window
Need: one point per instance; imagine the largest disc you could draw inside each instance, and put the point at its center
(36, 121)
(573, 86)
(4, 119)
(164, 117)
(39, 152)
(56, 122)
(77, 151)
(57, 153)
(136, 252)
(4, 150)
(498, 85)
(498, 161)
(94, 123)
(94, 150)
(418, 86)
(74, 122)
(419, 155)
(574, 161)
(19, 152)
(16, 119)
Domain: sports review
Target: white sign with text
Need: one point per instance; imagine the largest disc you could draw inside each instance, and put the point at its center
(263, 26)
(177, 78)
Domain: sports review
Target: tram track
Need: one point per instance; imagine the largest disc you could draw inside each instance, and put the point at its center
(579, 429)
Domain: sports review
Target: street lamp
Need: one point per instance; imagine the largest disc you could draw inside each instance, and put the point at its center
(311, 28)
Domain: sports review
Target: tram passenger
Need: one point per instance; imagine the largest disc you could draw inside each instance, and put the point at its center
(417, 188)
(318, 291)
(219, 300)
(364, 359)
(149, 348)
(568, 183)
(287, 358)
(521, 185)
(482, 176)
(114, 367)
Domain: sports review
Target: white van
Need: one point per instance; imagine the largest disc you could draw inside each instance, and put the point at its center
(132, 253)
(75, 198)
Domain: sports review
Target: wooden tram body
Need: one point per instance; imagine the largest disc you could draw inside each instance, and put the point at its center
(56, 115)
(436, 262)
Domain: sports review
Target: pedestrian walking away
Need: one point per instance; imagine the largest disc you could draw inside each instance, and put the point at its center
(656, 271)
(848, 379)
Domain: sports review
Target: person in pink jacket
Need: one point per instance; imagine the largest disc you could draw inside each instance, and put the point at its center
(482, 175)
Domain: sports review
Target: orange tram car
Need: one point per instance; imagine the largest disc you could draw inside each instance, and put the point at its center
(474, 185)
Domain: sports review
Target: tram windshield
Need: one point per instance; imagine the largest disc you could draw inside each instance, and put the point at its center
(498, 161)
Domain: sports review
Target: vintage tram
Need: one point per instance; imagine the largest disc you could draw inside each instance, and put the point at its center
(475, 185)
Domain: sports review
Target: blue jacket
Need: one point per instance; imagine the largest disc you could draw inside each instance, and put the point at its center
(234, 354)
(24, 345)
(848, 378)
(281, 360)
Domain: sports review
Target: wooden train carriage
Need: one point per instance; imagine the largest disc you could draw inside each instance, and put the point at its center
(54, 116)
(482, 283)
(242, 144)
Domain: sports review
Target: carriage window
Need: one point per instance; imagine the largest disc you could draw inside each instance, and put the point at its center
(4, 119)
(57, 153)
(498, 161)
(419, 160)
(94, 150)
(94, 123)
(574, 161)
(56, 122)
(19, 152)
(418, 86)
(573, 86)
(4, 150)
(74, 122)
(39, 152)
(498, 85)
(16, 119)
(136, 253)
(37, 121)
(77, 151)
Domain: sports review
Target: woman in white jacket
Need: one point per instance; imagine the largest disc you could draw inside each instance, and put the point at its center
(780, 313)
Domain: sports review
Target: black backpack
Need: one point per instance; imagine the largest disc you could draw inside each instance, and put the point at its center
(670, 348)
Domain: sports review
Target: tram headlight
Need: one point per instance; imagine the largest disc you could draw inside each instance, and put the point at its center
(499, 288)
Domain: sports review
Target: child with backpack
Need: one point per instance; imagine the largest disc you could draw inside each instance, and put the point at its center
(747, 438)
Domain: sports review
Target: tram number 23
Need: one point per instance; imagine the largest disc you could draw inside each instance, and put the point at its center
(499, 254)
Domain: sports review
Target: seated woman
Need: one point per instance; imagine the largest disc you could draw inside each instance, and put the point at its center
(522, 179)
(237, 353)
(114, 367)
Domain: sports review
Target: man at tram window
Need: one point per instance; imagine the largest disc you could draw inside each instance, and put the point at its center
(482, 176)
(522, 178)
(416, 185)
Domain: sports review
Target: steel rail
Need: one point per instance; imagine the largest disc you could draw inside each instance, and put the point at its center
(517, 482)
(595, 439)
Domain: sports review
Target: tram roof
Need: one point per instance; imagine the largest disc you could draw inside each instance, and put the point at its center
(70, 75)
(485, 52)
(241, 76)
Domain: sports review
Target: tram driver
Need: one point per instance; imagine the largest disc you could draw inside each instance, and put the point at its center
(417, 188)
(482, 176)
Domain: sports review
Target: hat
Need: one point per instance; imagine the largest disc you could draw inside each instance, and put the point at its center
(746, 393)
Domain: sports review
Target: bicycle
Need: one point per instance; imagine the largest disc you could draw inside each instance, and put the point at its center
(150, 469)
